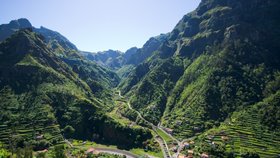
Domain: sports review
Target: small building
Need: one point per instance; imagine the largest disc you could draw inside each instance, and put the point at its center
(190, 152)
(91, 150)
(174, 149)
(178, 123)
(213, 144)
(43, 151)
(225, 138)
(186, 145)
(196, 128)
(182, 156)
(39, 137)
(204, 155)
(210, 137)
(168, 130)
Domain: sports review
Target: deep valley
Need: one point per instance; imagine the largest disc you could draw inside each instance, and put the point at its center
(208, 88)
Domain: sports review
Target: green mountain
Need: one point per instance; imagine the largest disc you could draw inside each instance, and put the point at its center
(111, 59)
(218, 70)
(7, 30)
(213, 81)
(51, 37)
(98, 78)
(146, 51)
(43, 98)
(116, 60)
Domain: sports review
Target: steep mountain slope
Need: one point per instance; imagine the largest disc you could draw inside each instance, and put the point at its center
(214, 79)
(7, 30)
(98, 78)
(218, 61)
(42, 99)
(51, 37)
(235, 61)
(146, 51)
(111, 59)
(116, 60)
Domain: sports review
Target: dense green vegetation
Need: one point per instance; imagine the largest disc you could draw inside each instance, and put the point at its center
(214, 78)
(244, 132)
(151, 93)
(44, 100)
(111, 59)
(123, 63)
(227, 61)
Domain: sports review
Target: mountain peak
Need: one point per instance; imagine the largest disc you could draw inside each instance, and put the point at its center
(21, 23)
(6, 30)
(23, 40)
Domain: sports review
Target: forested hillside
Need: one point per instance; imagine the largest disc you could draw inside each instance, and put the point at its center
(209, 87)
(43, 98)
(220, 61)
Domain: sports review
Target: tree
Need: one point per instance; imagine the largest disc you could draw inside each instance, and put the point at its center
(26, 152)
(68, 130)
(4, 152)
(59, 151)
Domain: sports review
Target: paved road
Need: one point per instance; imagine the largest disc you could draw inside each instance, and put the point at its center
(160, 127)
(160, 140)
(120, 152)
(117, 152)
(180, 144)
(163, 147)
(109, 151)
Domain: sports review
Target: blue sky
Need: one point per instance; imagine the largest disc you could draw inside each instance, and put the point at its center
(96, 25)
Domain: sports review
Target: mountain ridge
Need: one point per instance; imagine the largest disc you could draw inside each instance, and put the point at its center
(212, 82)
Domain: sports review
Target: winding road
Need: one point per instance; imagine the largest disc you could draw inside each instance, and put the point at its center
(160, 140)
(116, 152)
(108, 150)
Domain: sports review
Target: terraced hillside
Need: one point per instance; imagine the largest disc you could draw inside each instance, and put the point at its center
(43, 100)
(210, 87)
(219, 59)
(25, 125)
(243, 132)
